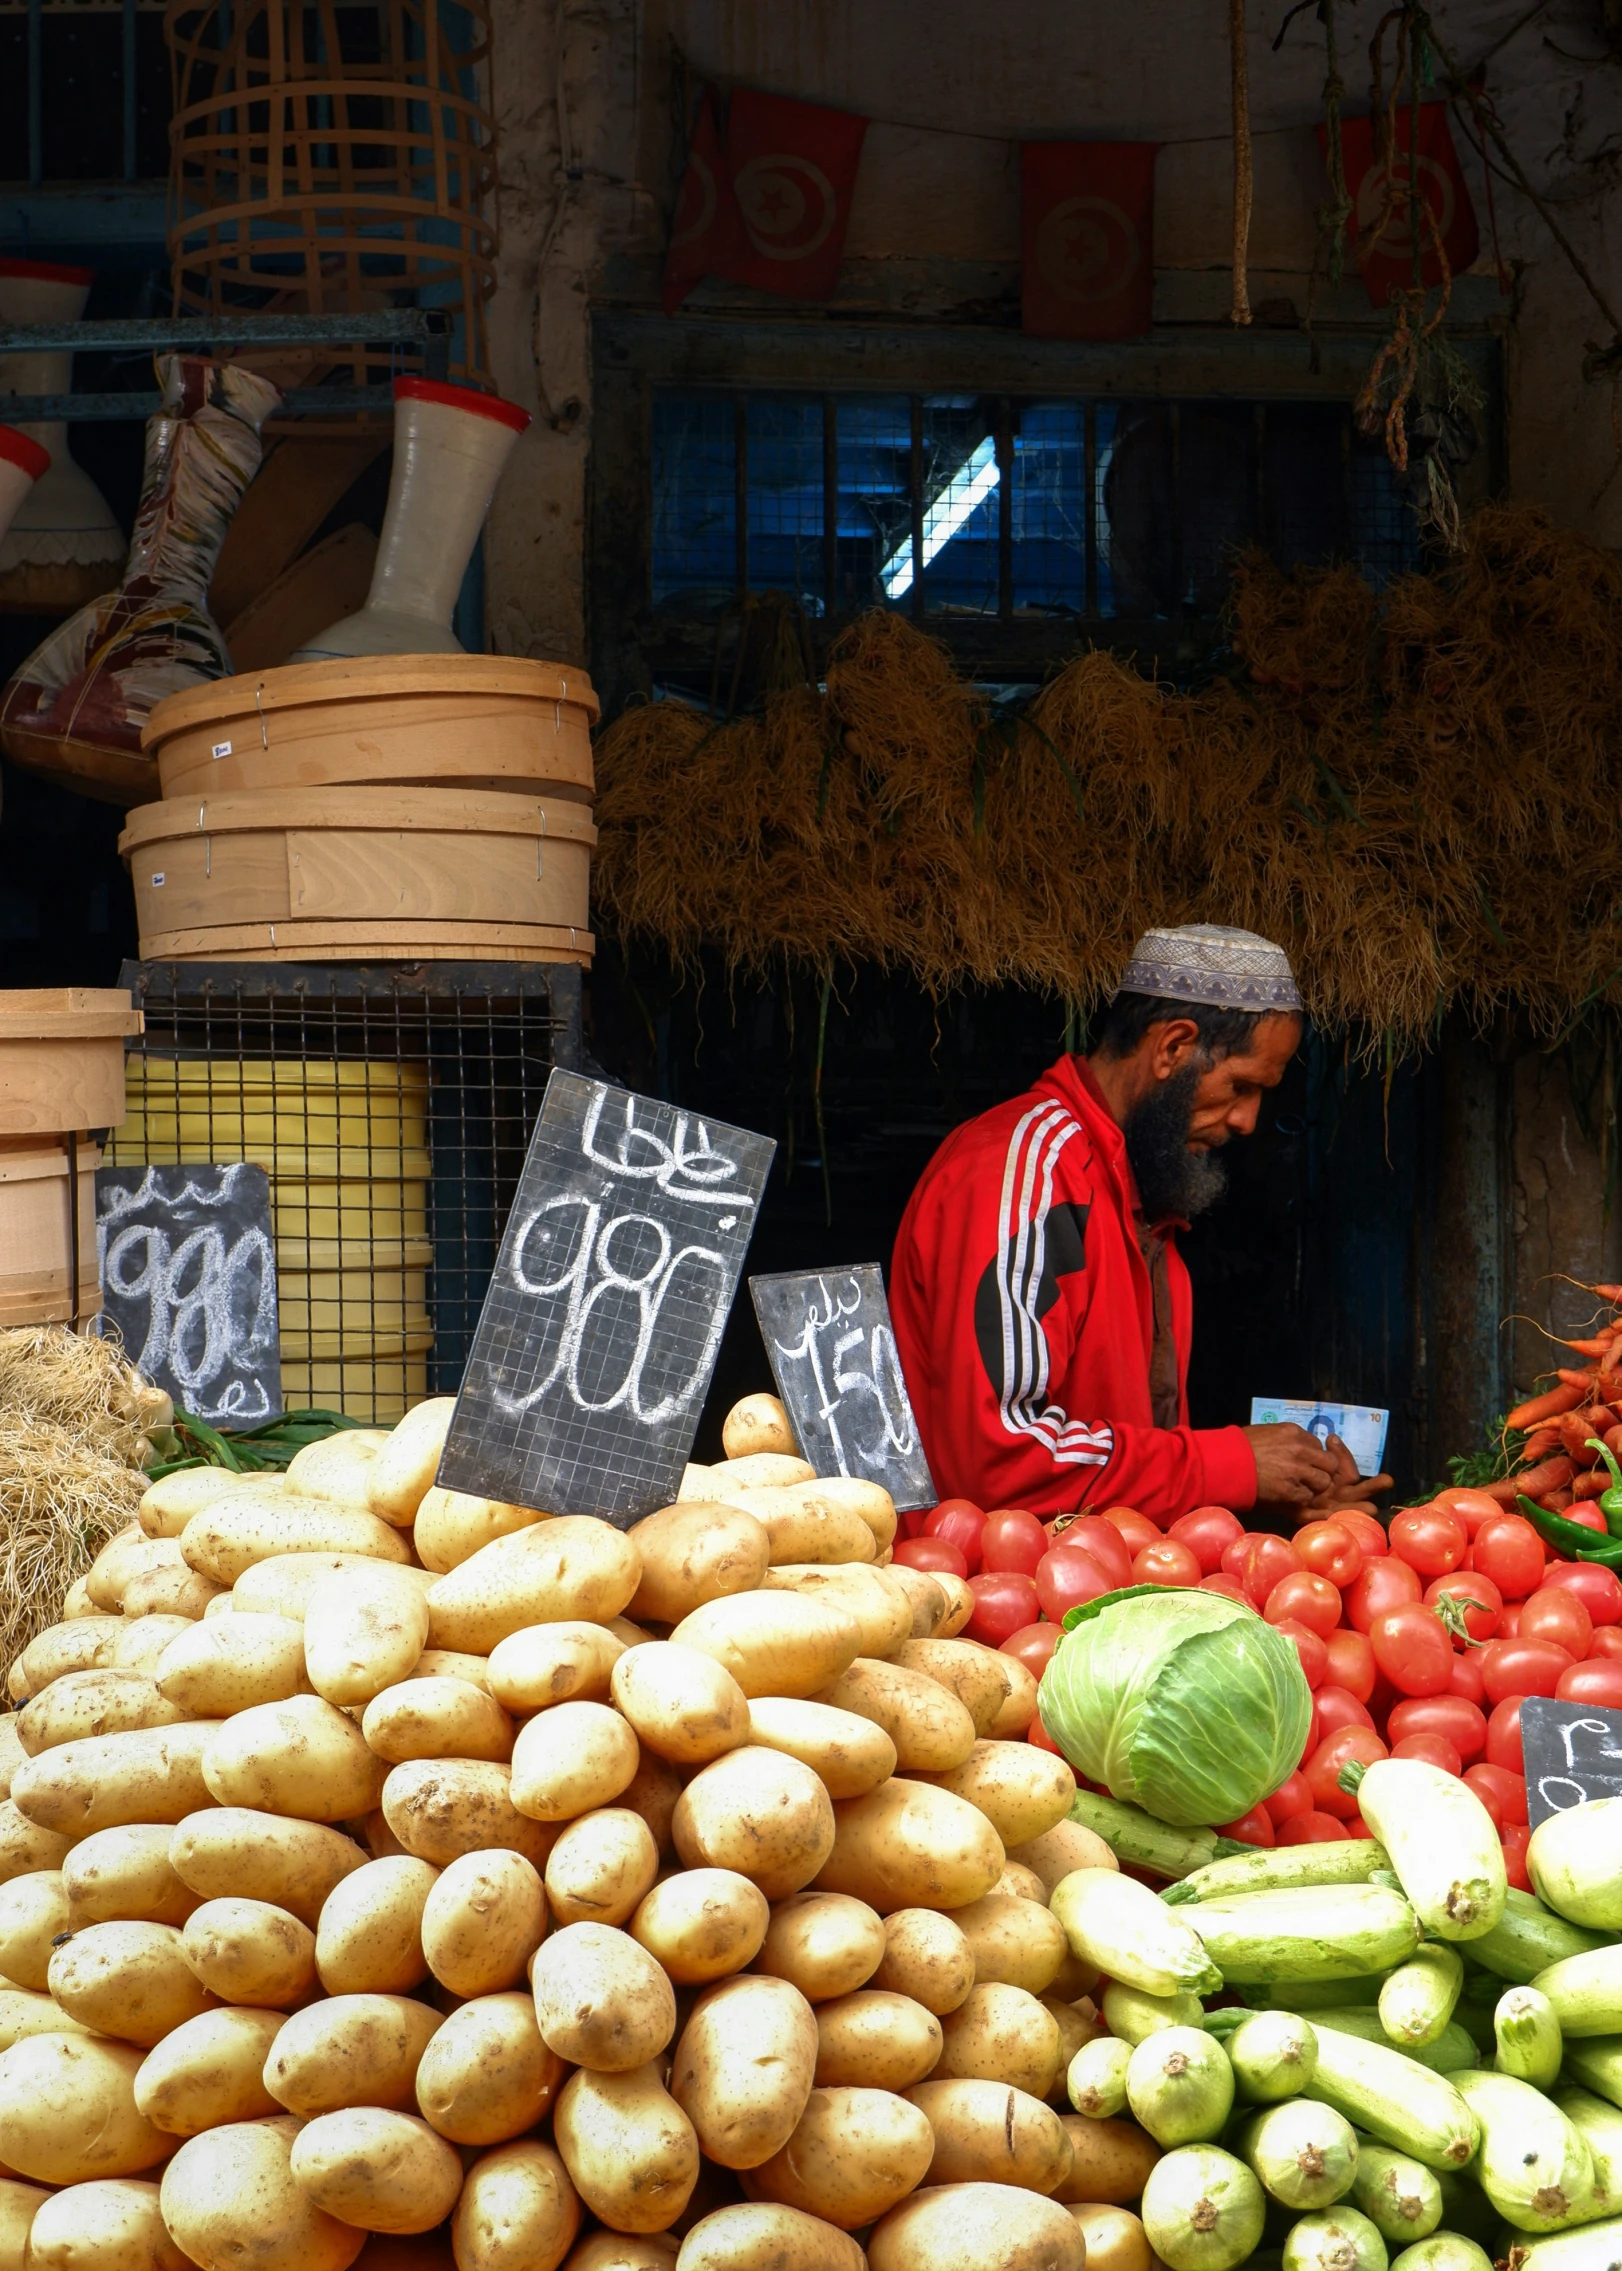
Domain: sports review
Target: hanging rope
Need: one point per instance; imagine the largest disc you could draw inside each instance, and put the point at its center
(1333, 216)
(1243, 180)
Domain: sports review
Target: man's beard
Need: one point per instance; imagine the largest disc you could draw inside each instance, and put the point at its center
(1172, 1180)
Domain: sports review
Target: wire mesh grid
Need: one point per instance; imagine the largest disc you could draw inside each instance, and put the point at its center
(391, 1109)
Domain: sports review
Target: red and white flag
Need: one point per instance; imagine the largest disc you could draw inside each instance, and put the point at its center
(1087, 228)
(1386, 259)
(766, 197)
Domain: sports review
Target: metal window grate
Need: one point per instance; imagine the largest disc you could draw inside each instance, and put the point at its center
(981, 506)
(392, 1108)
(85, 92)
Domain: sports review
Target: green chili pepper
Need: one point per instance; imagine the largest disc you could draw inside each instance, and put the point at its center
(1571, 1537)
(1610, 1504)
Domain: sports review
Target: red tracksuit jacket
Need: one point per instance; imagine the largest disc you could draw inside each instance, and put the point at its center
(1025, 1319)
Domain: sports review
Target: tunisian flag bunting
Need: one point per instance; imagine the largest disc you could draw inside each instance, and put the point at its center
(1387, 261)
(766, 196)
(1087, 215)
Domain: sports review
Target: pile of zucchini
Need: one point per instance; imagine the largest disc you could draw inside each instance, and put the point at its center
(1370, 2050)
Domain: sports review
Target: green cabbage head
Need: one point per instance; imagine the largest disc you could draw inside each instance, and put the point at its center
(1177, 1700)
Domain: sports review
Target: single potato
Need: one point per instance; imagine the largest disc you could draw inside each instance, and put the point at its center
(453, 1664)
(281, 1586)
(68, 2112)
(845, 1750)
(757, 1423)
(451, 1526)
(743, 2068)
(238, 2179)
(825, 1944)
(381, 2170)
(128, 1980)
(170, 1503)
(1001, 2034)
(81, 1704)
(436, 1717)
(1022, 1791)
(545, 1664)
(302, 1757)
(761, 2235)
(114, 2223)
(600, 1867)
(143, 1641)
(654, 1792)
(931, 1730)
(695, 1552)
(250, 1952)
(402, 1474)
(907, 1845)
(228, 1664)
(1110, 2160)
(881, 1607)
(486, 2075)
(601, 2000)
(987, 2133)
(926, 1595)
(630, 2151)
(80, 1646)
(25, 1848)
(570, 1760)
(175, 1591)
(623, 2251)
(1014, 1942)
(350, 2050)
(683, 1705)
(1067, 1846)
(24, 2013)
(518, 2209)
(19, 2205)
(702, 1924)
(235, 1853)
(124, 1873)
(963, 2227)
(482, 1921)
(761, 1813)
(369, 1937)
(773, 1643)
(252, 1526)
(572, 1567)
(876, 2040)
(960, 1604)
(338, 1466)
(1013, 1720)
(152, 1774)
(33, 1915)
(208, 2071)
(853, 2155)
(926, 1958)
(363, 1632)
(1116, 2240)
(439, 1808)
(978, 1677)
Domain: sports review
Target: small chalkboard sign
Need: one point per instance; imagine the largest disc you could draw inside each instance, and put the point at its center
(188, 1276)
(1572, 1752)
(599, 1333)
(832, 1352)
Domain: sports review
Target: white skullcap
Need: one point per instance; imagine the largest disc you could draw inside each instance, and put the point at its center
(1209, 964)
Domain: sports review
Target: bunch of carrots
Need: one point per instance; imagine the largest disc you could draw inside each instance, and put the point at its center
(1558, 1469)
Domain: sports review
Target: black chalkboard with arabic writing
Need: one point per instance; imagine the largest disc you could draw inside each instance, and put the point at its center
(833, 1354)
(599, 1333)
(188, 1276)
(1572, 1752)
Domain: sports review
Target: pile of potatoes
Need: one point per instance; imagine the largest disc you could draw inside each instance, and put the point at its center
(393, 1877)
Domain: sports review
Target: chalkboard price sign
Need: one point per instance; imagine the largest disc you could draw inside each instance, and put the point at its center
(1572, 1751)
(832, 1350)
(599, 1333)
(188, 1275)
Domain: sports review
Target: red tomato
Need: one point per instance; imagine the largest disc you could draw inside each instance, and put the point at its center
(1229, 1587)
(1462, 1726)
(1233, 1555)
(1036, 1733)
(1004, 1601)
(1311, 1829)
(1254, 1828)
(1429, 1539)
(1493, 1802)
(930, 1553)
(1065, 1578)
(1165, 1563)
(1207, 1533)
(1599, 1590)
(1351, 1663)
(1329, 1550)
(1523, 1667)
(1478, 1596)
(1309, 1646)
(1265, 1560)
(1380, 1585)
(959, 1521)
(1504, 1735)
(1556, 1613)
(1585, 1512)
(1337, 1709)
(1304, 1599)
(1322, 1770)
(1594, 1682)
(1435, 1750)
(1369, 1533)
(1290, 1798)
(1606, 1645)
(1509, 1551)
(1465, 1678)
(1516, 1875)
(1034, 1644)
(1012, 1539)
(1412, 1650)
(1136, 1528)
(1508, 1791)
(1104, 1542)
(1473, 1507)
(1509, 1624)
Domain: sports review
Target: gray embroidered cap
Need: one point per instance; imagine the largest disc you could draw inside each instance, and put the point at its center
(1209, 964)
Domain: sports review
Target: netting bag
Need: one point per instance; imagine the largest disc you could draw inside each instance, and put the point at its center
(75, 709)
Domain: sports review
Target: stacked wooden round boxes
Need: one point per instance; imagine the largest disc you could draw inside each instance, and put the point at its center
(380, 808)
(61, 1075)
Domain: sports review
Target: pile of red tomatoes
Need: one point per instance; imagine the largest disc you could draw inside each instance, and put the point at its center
(1421, 1641)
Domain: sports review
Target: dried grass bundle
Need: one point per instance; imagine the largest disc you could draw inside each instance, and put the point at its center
(55, 1377)
(1418, 793)
(61, 1499)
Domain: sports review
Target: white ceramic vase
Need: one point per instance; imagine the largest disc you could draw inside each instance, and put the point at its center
(64, 546)
(450, 444)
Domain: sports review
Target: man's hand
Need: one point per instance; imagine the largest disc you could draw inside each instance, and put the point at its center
(1349, 1488)
(1292, 1467)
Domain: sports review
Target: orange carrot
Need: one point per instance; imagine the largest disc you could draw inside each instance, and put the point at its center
(1590, 1485)
(1533, 1480)
(1550, 1405)
(1555, 1501)
(1578, 1379)
(1597, 1347)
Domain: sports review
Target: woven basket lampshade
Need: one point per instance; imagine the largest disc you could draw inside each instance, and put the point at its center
(328, 159)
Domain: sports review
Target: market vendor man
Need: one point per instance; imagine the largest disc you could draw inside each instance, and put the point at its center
(1042, 1310)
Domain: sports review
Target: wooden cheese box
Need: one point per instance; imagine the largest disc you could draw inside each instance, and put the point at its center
(62, 1058)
